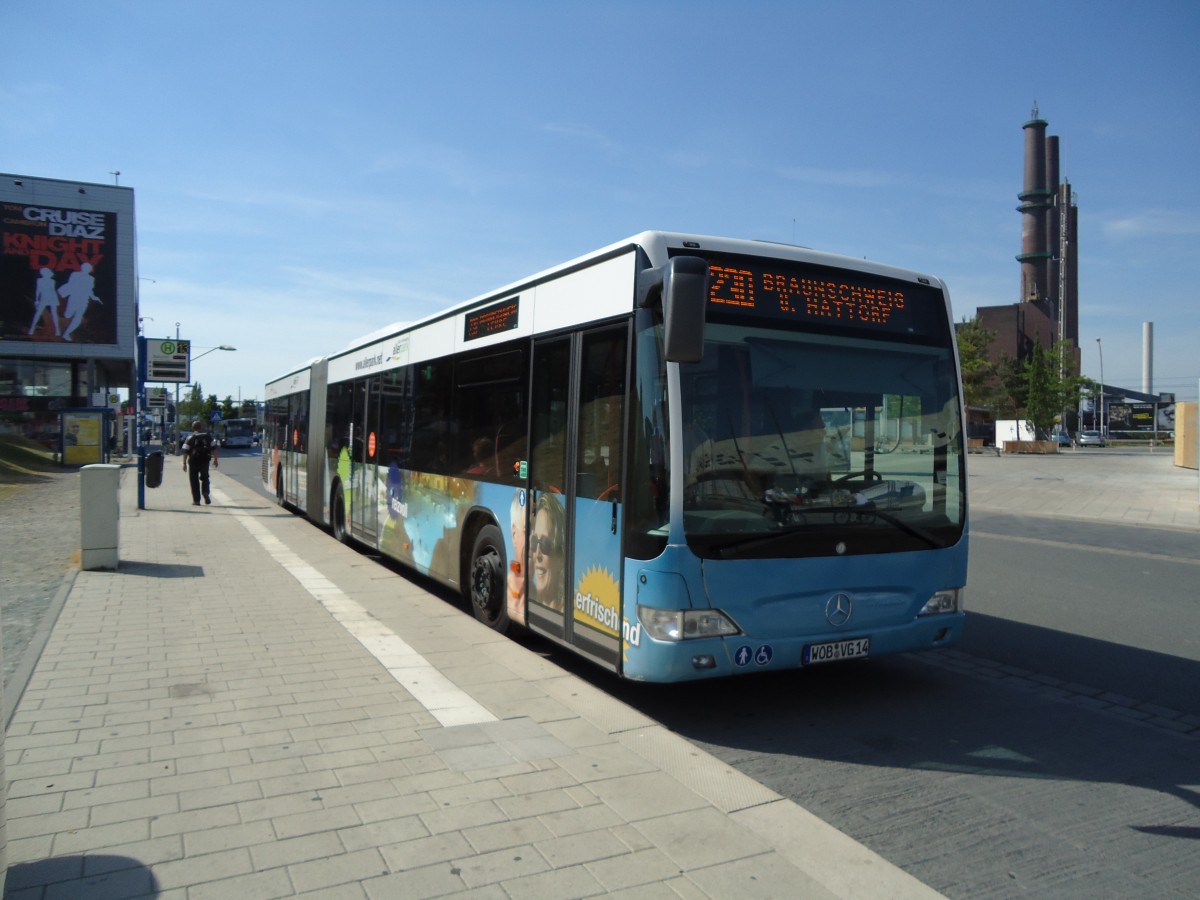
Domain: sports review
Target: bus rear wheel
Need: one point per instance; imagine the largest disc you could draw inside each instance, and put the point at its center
(486, 582)
(337, 515)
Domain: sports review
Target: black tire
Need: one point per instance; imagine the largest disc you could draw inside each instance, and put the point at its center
(337, 515)
(486, 584)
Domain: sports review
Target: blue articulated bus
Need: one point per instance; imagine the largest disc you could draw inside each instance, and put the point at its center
(680, 456)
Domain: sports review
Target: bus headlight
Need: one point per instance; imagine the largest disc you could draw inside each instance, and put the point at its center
(685, 624)
(947, 601)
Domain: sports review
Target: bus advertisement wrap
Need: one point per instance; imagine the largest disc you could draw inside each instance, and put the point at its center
(422, 517)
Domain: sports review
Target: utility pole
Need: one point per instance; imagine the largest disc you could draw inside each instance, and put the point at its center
(177, 396)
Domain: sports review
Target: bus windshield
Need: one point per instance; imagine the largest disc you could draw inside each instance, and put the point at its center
(804, 443)
(238, 432)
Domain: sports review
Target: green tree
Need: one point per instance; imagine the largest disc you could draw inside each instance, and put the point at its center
(1012, 389)
(1039, 390)
(1043, 404)
(979, 373)
(228, 409)
(1049, 390)
(191, 406)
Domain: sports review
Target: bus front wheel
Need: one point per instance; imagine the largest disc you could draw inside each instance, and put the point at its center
(486, 581)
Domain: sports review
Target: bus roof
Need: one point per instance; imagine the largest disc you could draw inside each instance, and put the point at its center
(658, 247)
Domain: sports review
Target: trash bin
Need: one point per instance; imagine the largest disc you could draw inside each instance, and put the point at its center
(154, 468)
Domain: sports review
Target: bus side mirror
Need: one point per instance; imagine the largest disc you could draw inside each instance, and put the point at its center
(681, 286)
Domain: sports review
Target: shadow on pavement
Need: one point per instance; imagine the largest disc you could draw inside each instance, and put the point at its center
(83, 876)
(1123, 670)
(159, 570)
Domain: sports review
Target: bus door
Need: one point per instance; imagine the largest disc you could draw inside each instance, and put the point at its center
(364, 453)
(294, 440)
(574, 533)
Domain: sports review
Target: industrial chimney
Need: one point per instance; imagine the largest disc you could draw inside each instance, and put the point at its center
(1036, 208)
(1147, 357)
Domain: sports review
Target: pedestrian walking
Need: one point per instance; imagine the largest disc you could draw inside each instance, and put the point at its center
(199, 449)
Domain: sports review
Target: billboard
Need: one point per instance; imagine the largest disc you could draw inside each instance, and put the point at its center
(83, 437)
(58, 274)
(1141, 417)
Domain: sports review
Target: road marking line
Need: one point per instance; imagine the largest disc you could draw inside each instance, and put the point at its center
(1114, 551)
(446, 702)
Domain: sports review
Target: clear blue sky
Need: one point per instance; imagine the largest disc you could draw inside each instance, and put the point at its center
(308, 172)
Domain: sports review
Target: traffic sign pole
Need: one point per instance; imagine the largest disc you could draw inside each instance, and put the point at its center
(138, 406)
(160, 359)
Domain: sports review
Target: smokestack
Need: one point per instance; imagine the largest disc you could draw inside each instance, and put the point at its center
(1053, 229)
(1036, 200)
(1147, 357)
(1069, 249)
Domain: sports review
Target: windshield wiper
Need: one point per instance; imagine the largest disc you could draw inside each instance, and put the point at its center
(851, 513)
(907, 527)
(726, 550)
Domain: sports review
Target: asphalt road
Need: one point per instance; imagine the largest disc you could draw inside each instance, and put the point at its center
(1111, 606)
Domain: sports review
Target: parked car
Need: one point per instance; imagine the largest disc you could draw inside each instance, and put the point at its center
(1090, 439)
(1064, 439)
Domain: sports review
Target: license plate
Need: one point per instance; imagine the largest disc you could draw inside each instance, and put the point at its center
(835, 651)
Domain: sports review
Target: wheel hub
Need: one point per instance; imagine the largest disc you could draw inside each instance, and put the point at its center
(484, 582)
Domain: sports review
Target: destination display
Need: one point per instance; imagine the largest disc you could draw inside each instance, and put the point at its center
(813, 295)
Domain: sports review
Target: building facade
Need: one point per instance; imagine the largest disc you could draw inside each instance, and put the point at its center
(68, 300)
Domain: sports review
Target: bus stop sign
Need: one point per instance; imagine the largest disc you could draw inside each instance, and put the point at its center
(168, 360)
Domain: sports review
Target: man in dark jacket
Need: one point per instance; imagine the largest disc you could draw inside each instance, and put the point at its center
(198, 451)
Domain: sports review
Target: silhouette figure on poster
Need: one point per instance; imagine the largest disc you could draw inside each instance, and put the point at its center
(47, 299)
(79, 291)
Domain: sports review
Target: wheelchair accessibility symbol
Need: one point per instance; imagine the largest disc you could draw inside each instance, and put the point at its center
(760, 656)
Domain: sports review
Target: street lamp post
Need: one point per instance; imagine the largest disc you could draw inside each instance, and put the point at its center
(1103, 418)
(190, 361)
(212, 350)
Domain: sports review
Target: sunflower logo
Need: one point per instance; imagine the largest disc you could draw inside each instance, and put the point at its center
(598, 601)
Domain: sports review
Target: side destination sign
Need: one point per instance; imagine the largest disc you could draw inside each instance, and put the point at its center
(492, 319)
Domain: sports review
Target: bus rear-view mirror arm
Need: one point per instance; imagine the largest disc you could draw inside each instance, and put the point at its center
(681, 286)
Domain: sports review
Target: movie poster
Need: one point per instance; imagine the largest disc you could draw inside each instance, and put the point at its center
(58, 275)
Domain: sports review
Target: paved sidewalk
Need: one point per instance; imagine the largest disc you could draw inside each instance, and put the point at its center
(248, 709)
(1117, 485)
